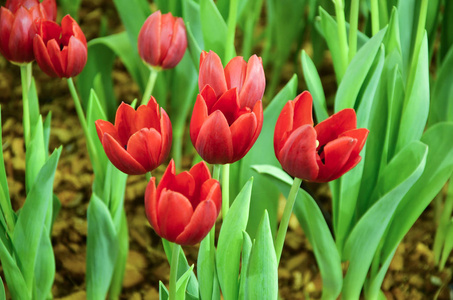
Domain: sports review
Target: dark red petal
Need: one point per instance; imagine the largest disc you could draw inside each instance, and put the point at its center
(144, 146)
(336, 155)
(149, 39)
(55, 57)
(235, 72)
(214, 142)
(166, 34)
(77, 57)
(298, 155)
(103, 127)
(174, 212)
(166, 132)
(284, 126)
(200, 224)
(360, 134)
(177, 47)
(49, 30)
(210, 190)
(6, 22)
(242, 132)
(254, 83)
(124, 122)
(211, 72)
(199, 116)
(120, 158)
(331, 128)
(21, 39)
(228, 104)
(200, 174)
(50, 9)
(147, 116)
(43, 58)
(351, 163)
(167, 178)
(258, 111)
(151, 204)
(303, 114)
(209, 97)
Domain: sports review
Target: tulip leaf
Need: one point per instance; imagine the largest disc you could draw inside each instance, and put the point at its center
(262, 271)
(33, 105)
(35, 155)
(2, 290)
(32, 217)
(191, 15)
(446, 37)
(46, 132)
(13, 276)
(448, 245)
(393, 183)
(44, 266)
(102, 249)
(266, 197)
(416, 103)
(315, 227)
(182, 282)
(230, 242)
(407, 17)
(214, 28)
(246, 249)
(163, 292)
(205, 267)
(120, 265)
(314, 86)
(4, 182)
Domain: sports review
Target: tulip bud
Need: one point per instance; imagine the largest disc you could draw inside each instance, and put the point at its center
(139, 141)
(162, 40)
(184, 207)
(60, 51)
(321, 153)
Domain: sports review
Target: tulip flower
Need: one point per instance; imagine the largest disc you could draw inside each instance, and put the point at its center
(321, 153)
(247, 77)
(184, 207)
(60, 51)
(221, 131)
(18, 26)
(139, 141)
(162, 40)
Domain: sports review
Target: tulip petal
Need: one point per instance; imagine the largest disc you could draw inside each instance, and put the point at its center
(50, 9)
(166, 34)
(336, 155)
(124, 122)
(200, 224)
(76, 57)
(166, 132)
(151, 204)
(6, 22)
(49, 30)
(228, 104)
(254, 83)
(210, 190)
(298, 155)
(200, 174)
(144, 147)
(235, 72)
(21, 40)
(331, 128)
(360, 134)
(258, 111)
(174, 212)
(209, 97)
(303, 114)
(103, 127)
(211, 72)
(178, 45)
(149, 39)
(199, 116)
(284, 126)
(147, 116)
(214, 143)
(55, 56)
(43, 58)
(182, 183)
(167, 178)
(120, 158)
(242, 132)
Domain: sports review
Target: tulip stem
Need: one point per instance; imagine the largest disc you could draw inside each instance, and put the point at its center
(174, 270)
(225, 189)
(342, 39)
(148, 176)
(25, 76)
(150, 85)
(283, 228)
(216, 172)
(374, 17)
(353, 22)
(229, 45)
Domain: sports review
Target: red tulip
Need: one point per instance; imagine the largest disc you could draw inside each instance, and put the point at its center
(184, 207)
(247, 78)
(162, 40)
(60, 51)
(140, 140)
(221, 131)
(321, 153)
(18, 26)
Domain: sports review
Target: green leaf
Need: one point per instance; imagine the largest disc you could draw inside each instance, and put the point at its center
(446, 38)
(195, 42)
(46, 132)
(4, 183)
(44, 266)
(70, 7)
(448, 246)
(314, 86)
(121, 260)
(35, 156)
(266, 197)
(182, 282)
(394, 182)
(163, 292)
(407, 20)
(206, 267)
(262, 272)
(13, 276)
(246, 249)
(2, 290)
(230, 242)
(315, 227)
(32, 217)
(102, 249)
(33, 104)
(213, 27)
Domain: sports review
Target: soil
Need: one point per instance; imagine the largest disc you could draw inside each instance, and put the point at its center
(412, 273)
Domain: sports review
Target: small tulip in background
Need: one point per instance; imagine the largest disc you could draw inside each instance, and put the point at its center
(140, 140)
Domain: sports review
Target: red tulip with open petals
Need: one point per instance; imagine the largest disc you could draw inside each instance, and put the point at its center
(321, 153)
(18, 26)
(247, 77)
(221, 131)
(162, 40)
(60, 51)
(184, 207)
(140, 140)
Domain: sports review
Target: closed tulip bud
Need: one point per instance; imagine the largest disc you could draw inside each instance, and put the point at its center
(321, 153)
(18, 26)
(162, 40)
(184, 207)
(247, 77)
(60, 51)
(140, 140)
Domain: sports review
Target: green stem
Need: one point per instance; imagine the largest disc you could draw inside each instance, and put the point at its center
(374, 17)
(148, 176)
(229, 45)
(342, 40)
(177, 147)
(150, 85)
(225, 190)
(353, 25)
(283, 228)
(25, 76)
(174, 271)
(216, 172)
